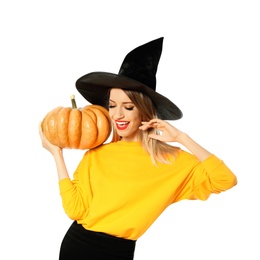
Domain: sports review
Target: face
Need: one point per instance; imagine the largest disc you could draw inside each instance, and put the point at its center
(124, 115)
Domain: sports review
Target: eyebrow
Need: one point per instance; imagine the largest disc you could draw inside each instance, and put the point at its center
(127, 102)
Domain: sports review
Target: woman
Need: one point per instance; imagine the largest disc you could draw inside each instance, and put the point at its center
(120, 188)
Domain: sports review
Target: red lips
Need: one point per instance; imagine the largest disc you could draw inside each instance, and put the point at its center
(122, 125)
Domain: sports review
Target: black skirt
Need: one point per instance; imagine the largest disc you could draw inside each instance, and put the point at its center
(82, 244)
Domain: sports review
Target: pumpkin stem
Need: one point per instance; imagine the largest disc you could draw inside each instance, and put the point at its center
(73, 101)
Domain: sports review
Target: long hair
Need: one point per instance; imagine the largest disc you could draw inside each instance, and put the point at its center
(159, 151)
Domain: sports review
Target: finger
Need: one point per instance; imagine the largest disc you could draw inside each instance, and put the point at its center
(147, 126)
(151, 123)
(145, 122)
(41, 132)
(144, 127)
(154, 120)
(40, 129)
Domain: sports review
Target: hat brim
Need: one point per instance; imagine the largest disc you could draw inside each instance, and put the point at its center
(94, 88)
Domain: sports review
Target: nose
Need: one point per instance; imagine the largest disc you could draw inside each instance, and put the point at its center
(117, 113)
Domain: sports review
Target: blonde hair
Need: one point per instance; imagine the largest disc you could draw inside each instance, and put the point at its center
(159, 151)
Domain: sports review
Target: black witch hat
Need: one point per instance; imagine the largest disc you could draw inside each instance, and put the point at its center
(137, 72)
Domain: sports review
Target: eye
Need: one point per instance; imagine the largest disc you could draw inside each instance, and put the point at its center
(129, 108)
(111, 106)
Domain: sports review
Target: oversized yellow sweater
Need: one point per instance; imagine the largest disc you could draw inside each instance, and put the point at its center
(117, 190)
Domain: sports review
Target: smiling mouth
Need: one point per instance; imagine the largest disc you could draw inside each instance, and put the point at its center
(122, 125)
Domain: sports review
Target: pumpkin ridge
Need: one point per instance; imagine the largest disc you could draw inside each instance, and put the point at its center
(74, 128)
(62, 127)
(102, 125)
(52, 125)
(106, 113)
(88, 129)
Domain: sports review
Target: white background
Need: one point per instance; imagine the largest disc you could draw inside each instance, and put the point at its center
(209, 68)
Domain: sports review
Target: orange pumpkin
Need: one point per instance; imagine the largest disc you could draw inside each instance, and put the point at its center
(83, 128)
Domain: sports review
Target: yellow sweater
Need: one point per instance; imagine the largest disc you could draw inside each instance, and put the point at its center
(117, 190)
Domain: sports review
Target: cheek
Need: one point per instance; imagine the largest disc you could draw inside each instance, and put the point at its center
(138, 120)
(110, 113)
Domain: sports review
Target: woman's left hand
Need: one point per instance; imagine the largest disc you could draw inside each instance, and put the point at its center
(168, 133)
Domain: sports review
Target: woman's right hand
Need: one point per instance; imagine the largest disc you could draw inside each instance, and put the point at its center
(53, 149)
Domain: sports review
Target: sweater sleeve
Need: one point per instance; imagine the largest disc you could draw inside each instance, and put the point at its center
(207, 177)
(73, 194)
(216, 178)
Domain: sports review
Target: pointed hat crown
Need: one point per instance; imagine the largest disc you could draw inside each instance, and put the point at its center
(141, 63)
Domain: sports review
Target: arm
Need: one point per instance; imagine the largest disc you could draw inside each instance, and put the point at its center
(170, 133)
(72, 201)
(210, 176)
(57, 155)
(201, 153)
